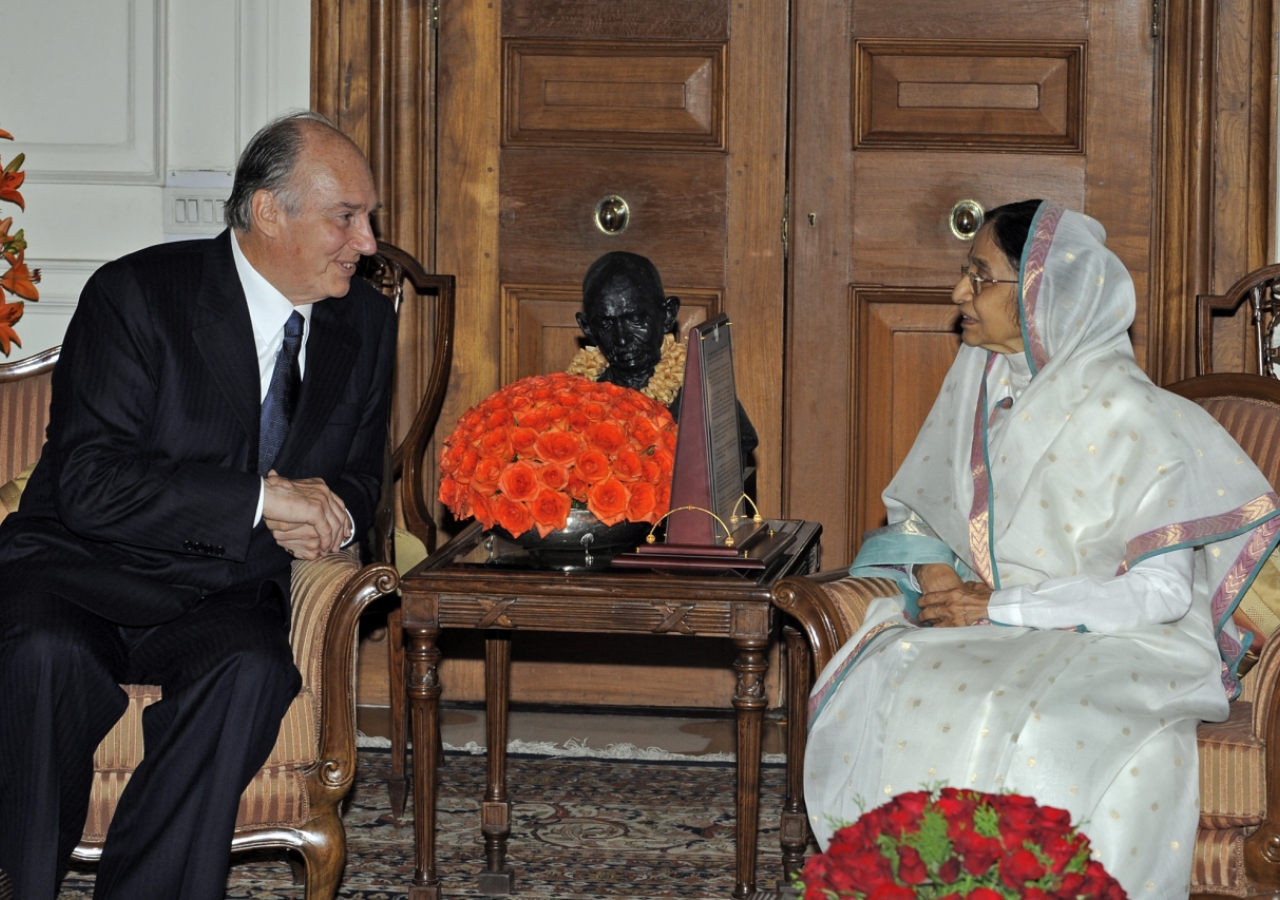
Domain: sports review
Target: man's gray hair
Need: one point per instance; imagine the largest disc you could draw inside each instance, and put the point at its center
(267, 164)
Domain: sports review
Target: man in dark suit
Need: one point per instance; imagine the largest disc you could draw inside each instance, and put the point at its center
(219, 408)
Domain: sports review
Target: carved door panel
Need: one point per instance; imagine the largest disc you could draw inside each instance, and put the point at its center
(546, 108)
(895, 118)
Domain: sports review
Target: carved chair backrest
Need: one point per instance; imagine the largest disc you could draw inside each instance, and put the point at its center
(424, 354)
(24, 411)
(1261, 288)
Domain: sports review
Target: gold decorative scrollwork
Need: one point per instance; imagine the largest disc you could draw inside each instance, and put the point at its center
(728, 538)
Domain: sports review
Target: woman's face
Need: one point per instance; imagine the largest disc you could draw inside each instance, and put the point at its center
(990, 319)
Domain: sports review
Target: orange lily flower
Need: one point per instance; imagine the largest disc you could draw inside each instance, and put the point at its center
(9, 184)
(19, 279)
(10, 313)
(5, 134)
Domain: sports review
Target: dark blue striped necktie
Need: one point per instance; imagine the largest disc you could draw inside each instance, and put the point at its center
(282, 395)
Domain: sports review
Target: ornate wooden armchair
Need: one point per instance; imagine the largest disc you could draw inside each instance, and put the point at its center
(406, 528)
(1238, 845)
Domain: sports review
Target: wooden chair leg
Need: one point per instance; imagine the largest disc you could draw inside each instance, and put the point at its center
(324, 855)
(794, 829)
(397, 785)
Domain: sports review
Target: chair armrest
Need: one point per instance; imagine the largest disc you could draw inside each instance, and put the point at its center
(329, 594)
(1261, 847)
(1266, 688)
(829, 607)
(829, 575)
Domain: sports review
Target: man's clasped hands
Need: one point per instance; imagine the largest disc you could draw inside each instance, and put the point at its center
(305, 517)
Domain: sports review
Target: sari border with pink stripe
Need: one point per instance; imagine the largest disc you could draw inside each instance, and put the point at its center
(819, 697)
(1198, 530)
(1227, 597)
(980, 510)
(1032, 278)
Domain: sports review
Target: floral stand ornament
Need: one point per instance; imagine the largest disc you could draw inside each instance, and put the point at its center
(950, 844)
(572, 470)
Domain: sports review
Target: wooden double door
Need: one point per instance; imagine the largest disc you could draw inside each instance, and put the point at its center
(793, 164)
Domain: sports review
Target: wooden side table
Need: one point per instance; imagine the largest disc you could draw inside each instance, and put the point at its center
(481, 583)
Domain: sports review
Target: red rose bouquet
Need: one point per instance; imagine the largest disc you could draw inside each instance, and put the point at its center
(527, 454)
(953, 843)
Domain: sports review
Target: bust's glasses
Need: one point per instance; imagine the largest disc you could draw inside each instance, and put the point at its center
(977, 281)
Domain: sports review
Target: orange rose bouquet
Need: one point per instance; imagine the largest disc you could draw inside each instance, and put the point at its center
(539, 446)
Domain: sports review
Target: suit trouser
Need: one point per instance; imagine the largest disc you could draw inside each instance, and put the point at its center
(227, 676)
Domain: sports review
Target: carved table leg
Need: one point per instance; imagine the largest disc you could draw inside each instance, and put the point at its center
(795, 825)
(396, 784)
(749, 701)
(424, 694)
(495, 811)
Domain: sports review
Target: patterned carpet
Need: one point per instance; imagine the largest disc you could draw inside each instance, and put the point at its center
(581, 828)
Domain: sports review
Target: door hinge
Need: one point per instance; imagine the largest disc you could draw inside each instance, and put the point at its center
(786, 216)
(1155, 17)
(435, 16)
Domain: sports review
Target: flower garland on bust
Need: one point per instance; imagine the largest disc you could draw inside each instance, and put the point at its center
(664, 384)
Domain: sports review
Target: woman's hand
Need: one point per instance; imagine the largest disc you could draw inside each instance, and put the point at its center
(955, 607)
(936, 577)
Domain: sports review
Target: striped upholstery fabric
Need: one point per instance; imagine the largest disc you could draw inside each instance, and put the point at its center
(1218, 864)
(1233, 789)
(24, 412)
(852, 596)
(278, 794)
(122, 747)
(1255, 425)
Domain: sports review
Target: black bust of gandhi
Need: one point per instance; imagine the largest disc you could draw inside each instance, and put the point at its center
(627, 314)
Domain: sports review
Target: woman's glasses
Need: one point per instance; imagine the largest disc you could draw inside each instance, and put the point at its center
(977, 281)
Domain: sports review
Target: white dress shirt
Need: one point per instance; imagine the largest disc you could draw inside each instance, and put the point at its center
(268, 311)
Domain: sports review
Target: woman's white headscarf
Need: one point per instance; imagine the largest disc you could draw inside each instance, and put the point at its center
(1092, 467)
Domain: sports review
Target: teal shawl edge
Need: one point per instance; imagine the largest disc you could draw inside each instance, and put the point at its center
(891, 554)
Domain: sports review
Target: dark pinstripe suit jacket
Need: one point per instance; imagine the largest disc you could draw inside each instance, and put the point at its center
(146, 488)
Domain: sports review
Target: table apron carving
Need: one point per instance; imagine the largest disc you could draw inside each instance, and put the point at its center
(711, 618)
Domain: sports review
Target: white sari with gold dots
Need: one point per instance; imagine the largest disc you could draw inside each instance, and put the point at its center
(1118, 526)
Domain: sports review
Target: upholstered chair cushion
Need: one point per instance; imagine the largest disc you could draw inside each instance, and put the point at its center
(24, 410)
(11, 491)
(852, 596)
(278, 793)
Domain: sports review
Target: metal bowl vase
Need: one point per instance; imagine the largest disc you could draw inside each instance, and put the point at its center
(584, 543)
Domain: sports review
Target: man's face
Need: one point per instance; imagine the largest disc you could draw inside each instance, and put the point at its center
(627, 326)
(315, 251)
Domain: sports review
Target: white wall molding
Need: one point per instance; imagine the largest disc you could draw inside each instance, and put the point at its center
(267, 62)
(134, 76)
(61, 281)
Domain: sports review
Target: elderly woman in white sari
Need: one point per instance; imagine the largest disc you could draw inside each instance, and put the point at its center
(1071, 542)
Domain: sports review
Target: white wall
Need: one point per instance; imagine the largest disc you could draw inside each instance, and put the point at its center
(108, 97)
